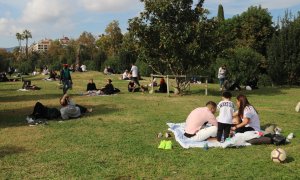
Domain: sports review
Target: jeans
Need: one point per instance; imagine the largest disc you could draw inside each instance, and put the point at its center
(66, 85)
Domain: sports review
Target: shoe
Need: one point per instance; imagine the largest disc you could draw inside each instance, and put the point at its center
(290, 136)
(159, 135)
(167, 135)
(29, 120)
(168, 145)
(162, 144)
(90, 110)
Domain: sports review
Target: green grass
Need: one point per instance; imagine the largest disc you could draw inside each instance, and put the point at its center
(118, 139)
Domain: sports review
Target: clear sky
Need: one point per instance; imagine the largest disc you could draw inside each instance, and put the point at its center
(54, 19)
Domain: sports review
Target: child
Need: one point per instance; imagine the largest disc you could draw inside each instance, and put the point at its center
(226, 109)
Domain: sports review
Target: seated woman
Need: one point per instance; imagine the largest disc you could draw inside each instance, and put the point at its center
(27, 85)
(132, 87)
(107, 89)
(247, 117)
(162, 86)
(125, 75)
(70, 109)
(52, 76)
(91, 88)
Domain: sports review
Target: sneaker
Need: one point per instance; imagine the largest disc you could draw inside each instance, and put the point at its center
(290, 136)
(29, 120)
(168, 145)
(167, 135)
(159, 135)
(162, 144)
(90, 110)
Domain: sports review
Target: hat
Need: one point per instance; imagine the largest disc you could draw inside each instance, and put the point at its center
(65, 65)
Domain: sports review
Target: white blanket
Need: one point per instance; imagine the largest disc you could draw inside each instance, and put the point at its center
(238, 140)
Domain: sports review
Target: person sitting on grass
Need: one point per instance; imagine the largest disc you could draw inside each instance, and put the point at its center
(125, 75)
(195, 128)
(90, 88)
(162, 86)
(70, 109)
(107, 89)
(247, 118)
(132, 87)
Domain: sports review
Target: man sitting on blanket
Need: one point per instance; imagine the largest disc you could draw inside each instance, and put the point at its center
(195, 123)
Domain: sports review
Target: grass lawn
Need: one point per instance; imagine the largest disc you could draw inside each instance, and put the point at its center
(118, 139)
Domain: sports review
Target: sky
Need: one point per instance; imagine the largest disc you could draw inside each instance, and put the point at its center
(53, 19)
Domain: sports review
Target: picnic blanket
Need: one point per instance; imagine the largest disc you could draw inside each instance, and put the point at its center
(238, 140)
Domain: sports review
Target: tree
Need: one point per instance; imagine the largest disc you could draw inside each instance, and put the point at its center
(26, 35)
(242, 64)
(220, 13)
(173, 35)
(111, 41)
(256, 29)
(284, 53)
(86, 46)
(19, 38)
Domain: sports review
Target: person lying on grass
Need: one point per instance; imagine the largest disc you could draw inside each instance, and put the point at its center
(195, 123)
(70, 109)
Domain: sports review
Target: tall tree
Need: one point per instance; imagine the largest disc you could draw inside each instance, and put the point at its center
(26, 35)
(86, 46)
(173, 34)
(19, 38)
(220, 13)
(284, 52)
(111, 41)
(256, 29)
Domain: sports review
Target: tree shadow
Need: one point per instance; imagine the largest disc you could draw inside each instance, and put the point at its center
(10, 149)
(29, 97)
(17, 117)
(266, 91)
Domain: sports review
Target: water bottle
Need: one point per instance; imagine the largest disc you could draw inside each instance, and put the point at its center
(205, 147)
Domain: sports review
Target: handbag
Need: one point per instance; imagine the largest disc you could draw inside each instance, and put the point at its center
(278, 139)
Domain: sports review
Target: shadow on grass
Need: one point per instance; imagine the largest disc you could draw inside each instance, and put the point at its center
(29, 97)
(17, 117)
(9, 150)
(265, 91)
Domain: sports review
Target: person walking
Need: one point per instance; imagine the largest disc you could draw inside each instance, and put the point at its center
(135, 74)
(222, 76)
(65, 78)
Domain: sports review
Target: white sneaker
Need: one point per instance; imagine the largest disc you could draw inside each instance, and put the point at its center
(290, 136)
(29, 120)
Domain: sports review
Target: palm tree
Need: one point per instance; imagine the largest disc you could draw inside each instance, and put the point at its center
(19, 38)
(26, 35)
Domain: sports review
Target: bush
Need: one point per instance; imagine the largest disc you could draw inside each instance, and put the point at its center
(26, 67)
(144, 69)
(264, 80)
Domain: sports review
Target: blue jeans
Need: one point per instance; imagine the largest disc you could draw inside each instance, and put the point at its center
(66, 85)
(221, 82)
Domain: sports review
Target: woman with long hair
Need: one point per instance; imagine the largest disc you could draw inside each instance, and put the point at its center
(248, 119)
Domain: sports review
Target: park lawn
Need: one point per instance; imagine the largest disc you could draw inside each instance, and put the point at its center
(118, 139)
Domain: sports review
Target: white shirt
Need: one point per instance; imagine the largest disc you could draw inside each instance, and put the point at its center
(83, 67)
(226, 109)
(134, 70)
(125, 75)
(221, 73)
(249, 112)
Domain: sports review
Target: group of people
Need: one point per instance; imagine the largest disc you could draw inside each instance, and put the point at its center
(229, 121)
(108, 89)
